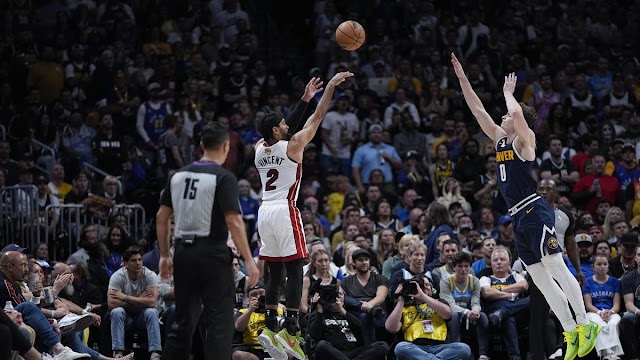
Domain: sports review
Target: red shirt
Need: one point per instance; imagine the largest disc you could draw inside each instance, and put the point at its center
(579, 160)
(610, 190)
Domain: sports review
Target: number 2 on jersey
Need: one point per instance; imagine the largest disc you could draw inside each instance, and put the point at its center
(502, 169)
(273, 176)
(190, 188)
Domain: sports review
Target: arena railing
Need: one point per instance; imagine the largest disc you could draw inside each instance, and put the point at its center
(19, 216)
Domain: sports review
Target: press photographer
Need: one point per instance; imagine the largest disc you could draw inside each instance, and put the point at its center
(250, 322)
(423, 325)
(337, 333)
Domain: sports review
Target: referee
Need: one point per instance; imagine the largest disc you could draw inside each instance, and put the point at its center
(203, 197)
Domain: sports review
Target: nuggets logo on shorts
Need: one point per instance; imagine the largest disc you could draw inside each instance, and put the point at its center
(552, 243)
(267, 151)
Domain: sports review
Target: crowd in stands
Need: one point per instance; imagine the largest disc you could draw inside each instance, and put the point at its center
(411, 246)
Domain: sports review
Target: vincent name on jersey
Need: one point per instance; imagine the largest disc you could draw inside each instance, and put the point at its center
(270, 160)
(505, 155)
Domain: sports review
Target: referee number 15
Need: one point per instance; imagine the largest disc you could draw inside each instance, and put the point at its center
(190, 188)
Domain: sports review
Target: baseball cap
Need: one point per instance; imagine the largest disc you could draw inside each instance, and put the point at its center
(153, 86)
(465, 227)
(476, 244)
(314, 70)
(629, 146)
(258, 285)
(411, 154)
(584, 238)
(504, 219)
(44, 264)
(617, 141)
(629, 239)
(41, 180)
(13, 247)
(360, 252)
(375, 127)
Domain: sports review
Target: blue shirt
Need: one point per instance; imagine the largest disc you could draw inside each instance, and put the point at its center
(367, 158)
(586, 266)
(478, 266)
(602, 294)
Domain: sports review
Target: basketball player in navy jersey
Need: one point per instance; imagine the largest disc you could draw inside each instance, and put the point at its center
(533, 217)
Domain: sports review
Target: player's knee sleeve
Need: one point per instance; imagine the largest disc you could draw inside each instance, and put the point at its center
(294, 283)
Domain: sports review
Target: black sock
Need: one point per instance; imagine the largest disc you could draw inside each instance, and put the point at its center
(271, 320)
(291, 322)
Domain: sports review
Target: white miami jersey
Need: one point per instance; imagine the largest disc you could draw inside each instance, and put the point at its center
(280, 175)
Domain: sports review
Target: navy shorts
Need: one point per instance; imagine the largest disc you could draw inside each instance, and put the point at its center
(535, 232)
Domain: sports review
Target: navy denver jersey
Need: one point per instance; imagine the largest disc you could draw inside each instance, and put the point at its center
(514, 174)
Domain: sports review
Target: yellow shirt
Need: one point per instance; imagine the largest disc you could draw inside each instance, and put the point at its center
(256, 324)
(60, 191)
(412, 323)
(335, 200)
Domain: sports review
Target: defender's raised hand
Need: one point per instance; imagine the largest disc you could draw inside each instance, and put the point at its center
(313, 87)
(510, 83)
(457, 67)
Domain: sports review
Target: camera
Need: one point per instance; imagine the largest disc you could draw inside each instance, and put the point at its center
(262, 301)
(409, 287)
(328, 295)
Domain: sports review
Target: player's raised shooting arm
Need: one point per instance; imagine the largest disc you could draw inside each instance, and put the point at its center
(295, 119)
(474, 103)
(520, 125)
(304, 136)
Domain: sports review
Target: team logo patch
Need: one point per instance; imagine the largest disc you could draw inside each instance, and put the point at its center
(267, 151)
(552, 243)
(502, 142)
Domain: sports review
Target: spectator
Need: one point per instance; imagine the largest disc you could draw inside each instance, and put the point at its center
(592, 188)
(77, 138)
(150, 123)
(402, 257)
(89, 236)
(318, 274)
(451, 193)
(366, 301)
(384, 218)
(504, 296)
(416, 254)
(488, 244)
(629, 323)
(387, 247)
(374, 155)
(109, 148)
(440, 170)
(117, 243)
(585, 250)
(338, 337)
(465, 303)
(57, 186)
(339, 131)
(133, 294)
(561, 170)
(423, 339)
(602, 300)
(625, 261)
(440, 222)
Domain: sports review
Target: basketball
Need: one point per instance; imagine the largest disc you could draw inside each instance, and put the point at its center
(350, 35)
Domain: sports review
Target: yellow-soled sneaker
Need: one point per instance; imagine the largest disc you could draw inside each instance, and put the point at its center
(291, 344)
(268, 341)
(587, 336)
(571, 338)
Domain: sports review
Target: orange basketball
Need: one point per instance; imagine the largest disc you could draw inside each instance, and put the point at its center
(350, 35)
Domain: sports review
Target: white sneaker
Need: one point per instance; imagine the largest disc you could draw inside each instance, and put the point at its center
(155, 356)
(68, 354)
(73, 323)
(556, 354)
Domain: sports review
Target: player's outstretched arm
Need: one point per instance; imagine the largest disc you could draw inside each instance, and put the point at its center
(475, 104)
(525, 135)
(302, 138)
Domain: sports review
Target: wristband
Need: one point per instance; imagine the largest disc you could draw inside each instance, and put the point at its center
(513, 297)
(53, 313)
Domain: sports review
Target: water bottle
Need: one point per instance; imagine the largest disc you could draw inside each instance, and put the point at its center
(596, 182)
(8, 307)
(381, 158)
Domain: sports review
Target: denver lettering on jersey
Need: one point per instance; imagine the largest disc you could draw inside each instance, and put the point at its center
(270, 160)
(505, 155)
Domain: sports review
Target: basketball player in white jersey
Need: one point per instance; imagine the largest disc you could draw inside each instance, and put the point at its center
(279, 162)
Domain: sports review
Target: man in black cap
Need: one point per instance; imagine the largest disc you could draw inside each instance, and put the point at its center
(625, 261)
(250, 322)
(337, 333)
(366, 301)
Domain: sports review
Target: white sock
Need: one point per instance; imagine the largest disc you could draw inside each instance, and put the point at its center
(558, 269)
(553, 294)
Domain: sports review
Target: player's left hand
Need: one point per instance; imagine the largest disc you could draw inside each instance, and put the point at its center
(166, 269)
(510, 83)
(313, 87)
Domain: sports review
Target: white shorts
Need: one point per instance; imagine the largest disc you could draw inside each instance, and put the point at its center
(281, 233)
